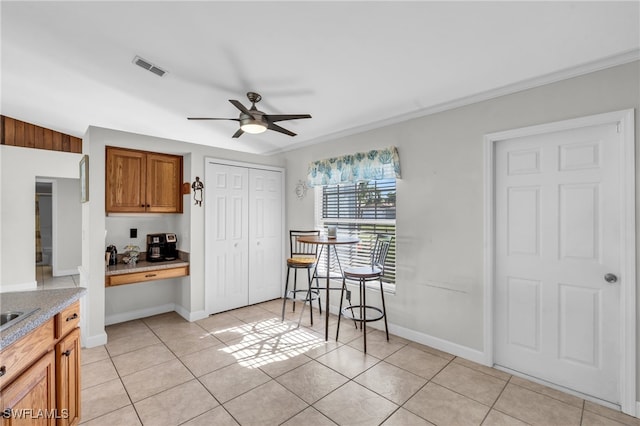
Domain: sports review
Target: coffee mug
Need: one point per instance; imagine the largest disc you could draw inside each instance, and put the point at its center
(331, 231)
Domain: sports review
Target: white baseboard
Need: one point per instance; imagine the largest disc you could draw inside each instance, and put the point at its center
(33, 285)
(93, 341)
(190, 316)
(139, 313)
(425, 339)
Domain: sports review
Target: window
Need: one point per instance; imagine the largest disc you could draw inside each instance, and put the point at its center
(362, 210)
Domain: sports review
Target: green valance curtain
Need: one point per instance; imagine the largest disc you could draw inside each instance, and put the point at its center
(361, 166)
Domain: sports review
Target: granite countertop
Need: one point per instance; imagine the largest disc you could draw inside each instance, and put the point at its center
(48, 302)
(143, 266)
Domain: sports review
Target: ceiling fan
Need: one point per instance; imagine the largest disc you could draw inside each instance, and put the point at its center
(254, 121)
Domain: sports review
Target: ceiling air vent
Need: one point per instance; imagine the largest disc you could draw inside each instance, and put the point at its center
(148, 66)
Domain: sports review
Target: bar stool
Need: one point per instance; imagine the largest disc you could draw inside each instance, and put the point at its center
(365, 274)
(303, 256)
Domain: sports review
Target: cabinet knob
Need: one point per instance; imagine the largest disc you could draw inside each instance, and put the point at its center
(3, 370)
(67, 352)
(72, 317)
(148, 205)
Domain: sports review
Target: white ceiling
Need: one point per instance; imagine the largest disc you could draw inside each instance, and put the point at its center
(352, 65)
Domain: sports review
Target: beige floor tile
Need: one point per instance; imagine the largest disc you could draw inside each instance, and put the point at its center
(175, 405)
(125, 416)
(218, 322)
(611, 414)
(216, 417)
(208, 360)
(483, 368)
(391, 382)
(142, 358)
(125, 329)
(190, 343)
(355, 404)
(89, 355)
(444, 407)
(416, 361)
(102, 399)
(348, 361)
(97, 372)
(470, 383)
(233, 380)
(404, 417)
(322, 347)
(284, 364)
(151, 381)
(312, 381)
(432, 351)
(178, 329)
(496, 418)
(268, 404)
(593, 419)
(309, 417)
(377, 344)
(545, 390)
(348, 333)
(131, 342)
(532, 407)
(161, 320)
(250, 313)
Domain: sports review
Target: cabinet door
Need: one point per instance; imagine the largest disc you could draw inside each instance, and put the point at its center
(226, 237)
(68, 378)
(30, 399)
(265, 235)
(125, 181)
(164, 176)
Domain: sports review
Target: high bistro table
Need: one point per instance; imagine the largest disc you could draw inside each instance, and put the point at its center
(329, 243)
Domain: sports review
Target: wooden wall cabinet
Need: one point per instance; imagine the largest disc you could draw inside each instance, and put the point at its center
(142, 182)
(41, 373)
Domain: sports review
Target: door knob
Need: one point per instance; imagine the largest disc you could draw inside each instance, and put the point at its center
(610, 278)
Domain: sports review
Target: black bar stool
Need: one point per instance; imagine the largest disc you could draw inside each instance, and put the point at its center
(364, 274)
(303, 256)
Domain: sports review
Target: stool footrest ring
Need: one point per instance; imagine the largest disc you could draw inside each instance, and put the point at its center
(353, 313)
(291, 295)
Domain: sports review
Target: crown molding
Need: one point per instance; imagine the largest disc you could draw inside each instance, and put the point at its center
(567, 73)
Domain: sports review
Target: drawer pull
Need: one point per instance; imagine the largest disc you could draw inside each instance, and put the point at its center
(150, 275)
(67, 352)
(72, 317)
(3, 370)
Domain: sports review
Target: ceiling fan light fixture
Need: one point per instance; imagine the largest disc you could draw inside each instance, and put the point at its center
(252, 126)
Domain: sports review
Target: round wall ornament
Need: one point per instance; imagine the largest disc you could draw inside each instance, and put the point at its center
(301, 189)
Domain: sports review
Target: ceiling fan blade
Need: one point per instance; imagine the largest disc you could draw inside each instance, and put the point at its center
(238, 133)
(211, 118)
(277, 128)
(241, 107)
(282, 117)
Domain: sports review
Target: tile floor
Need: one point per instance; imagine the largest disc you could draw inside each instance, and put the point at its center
(46, 281)
(247, 367)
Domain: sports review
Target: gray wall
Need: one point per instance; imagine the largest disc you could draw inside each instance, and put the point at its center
(68, 217)
(439, 295)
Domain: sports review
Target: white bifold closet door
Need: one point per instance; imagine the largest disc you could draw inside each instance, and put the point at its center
(243, 236)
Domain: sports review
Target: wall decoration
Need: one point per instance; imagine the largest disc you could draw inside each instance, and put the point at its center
(198, 189)
(301, 189)
(84, 179)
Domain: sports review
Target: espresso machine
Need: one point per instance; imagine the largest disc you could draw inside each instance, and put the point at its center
(161, 247)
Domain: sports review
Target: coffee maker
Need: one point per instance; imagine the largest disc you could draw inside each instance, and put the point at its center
(161, 247)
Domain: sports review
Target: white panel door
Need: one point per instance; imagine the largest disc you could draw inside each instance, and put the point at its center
(557, 236)
(226, 237)
(265, 235)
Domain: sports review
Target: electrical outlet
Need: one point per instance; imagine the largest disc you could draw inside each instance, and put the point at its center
(349, 295)
(133, 232)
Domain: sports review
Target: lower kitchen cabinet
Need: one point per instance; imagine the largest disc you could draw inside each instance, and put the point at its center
(41, 373)
(68, 378)
(31, 397)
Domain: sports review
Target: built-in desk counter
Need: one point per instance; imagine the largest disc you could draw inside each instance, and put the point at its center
(144, 271)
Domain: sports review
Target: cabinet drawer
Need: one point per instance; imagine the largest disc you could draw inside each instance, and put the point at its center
(139, 277)
(68, 319)
(18, 356)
